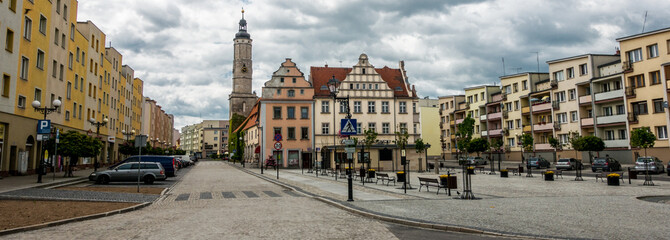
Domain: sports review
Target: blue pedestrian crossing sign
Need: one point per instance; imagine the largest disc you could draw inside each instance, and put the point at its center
(348, 127)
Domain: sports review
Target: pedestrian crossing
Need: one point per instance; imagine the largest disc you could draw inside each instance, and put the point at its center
(233, 195)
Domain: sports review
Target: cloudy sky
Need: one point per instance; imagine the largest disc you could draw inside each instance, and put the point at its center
(183, 49)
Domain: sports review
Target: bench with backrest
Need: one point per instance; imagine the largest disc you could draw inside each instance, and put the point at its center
(515, 171)
(385, 177)
(602, 175)
(557, 172)
(430, 182)
(481, 169)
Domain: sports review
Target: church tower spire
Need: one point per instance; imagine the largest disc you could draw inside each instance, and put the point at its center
(241, 99)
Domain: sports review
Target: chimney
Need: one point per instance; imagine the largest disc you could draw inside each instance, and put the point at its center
(618, 52)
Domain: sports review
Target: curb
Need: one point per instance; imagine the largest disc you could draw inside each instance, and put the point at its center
(75, 219)
(442, 227)
(66, 182)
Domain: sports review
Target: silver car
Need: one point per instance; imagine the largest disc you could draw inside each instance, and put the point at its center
(476, 161)
(568, 164)
(128, 172)
(648, 163)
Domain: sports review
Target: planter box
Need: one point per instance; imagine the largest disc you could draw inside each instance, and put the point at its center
(471, 171)
(371, 174)
(549, 177)
(400, 177)
(612, 181)
(504, 174)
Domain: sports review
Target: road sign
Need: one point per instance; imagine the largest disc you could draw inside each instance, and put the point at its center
(278, 137)
(348, 126)
(44, 126)
(350, 149)
(42, 137)
(348, 141)
(277, 146)
(57, 135)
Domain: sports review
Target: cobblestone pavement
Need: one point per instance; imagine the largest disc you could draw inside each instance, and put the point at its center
(241, 207)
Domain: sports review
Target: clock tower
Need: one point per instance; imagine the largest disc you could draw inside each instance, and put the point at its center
(241, 100)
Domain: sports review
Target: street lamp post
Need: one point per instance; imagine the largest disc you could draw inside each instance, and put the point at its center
(239, 150)
(45, 110)
(332, 87)
(97, 133)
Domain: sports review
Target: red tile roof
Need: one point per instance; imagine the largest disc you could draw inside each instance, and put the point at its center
(251, 119)
(321, 75)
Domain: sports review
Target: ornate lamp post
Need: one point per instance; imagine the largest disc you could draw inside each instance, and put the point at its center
(332, 87)
(45, 110)
(97, 133)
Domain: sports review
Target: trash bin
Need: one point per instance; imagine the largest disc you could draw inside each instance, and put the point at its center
(632, 174)
(520, 169)
(452, 182)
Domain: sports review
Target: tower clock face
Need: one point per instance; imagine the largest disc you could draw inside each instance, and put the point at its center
(244, 69)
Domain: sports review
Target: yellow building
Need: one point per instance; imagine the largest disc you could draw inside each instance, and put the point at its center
(448, 107)
(477, 97)
(645, 64)
(430, 128)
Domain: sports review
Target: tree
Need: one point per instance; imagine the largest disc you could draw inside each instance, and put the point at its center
(420, 148)
(497, 146)
(554, 144)
(588, 143)
(235, 121)
(370, 138)
(643, 138)
(465, 130)
(478, 145)
(75, 145)
(527, 142)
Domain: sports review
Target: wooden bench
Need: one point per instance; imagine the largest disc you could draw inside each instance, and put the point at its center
(430, 182)
(385, 177)
(557, 172)
(602, 175)
(481, 169)
(515, 171)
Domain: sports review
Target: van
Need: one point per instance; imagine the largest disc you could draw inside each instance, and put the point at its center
(168, 162)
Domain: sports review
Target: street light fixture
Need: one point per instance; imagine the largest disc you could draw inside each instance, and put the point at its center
(332, 87)
(45, 110)
(97, 133)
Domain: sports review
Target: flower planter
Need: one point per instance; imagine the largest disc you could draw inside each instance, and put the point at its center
(400, 177)
(504, 174)
(613, 181)
(471, 171)
(444, 181)
(549, 177)
(371, 174)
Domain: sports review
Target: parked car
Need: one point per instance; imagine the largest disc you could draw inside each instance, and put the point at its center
(538, 162)
(668, 168)
(569, 164)
(476, 161)
(128, 172)
(649, 163)
(168, 162)
(606, 164)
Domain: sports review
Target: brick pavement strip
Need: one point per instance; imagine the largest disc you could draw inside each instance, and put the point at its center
(53, 194)
(285, 217)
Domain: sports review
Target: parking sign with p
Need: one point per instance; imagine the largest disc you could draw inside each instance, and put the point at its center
(43, 126)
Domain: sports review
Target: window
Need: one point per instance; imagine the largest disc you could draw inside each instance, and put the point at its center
(72, 32)
(56, 36)
(385, 107)
(620, 110)
(291, 93)
(40, 59)
(372, 127)
(9, 41)
(12, 5)
(655, 77)
(605, 87)
(524, 84)
(662, 132)
(81, 89)
(6, 80)
(22, 102)
(607, 111)
(414, 108)
(510, 142)
(290, 112)
(69, 61)
(38, 96)
(324, 128)
(62, 40)
(293, 80)
(634, 55)
(403, 107)
(65, 12)
(43, 25)
(276, 112)
(27, 28)
(508, 106)
(79, 112)
(515, 86)
(78, 50)
(302, 91)
(636, 81)
(325, 107)
(281, 80)
(277, 130)
(640, 108)
(58, 6)
(622, 134)
(357, 106)
(562, 117)
(516, 105)
(67, 115)
(518, 123)
(385, 128)
(509, 124)
(560, 96)
(658, 105)
(572, 94)
(359, 127)
(54, 68)
(291, 133)
(216, 138)
(573, 116)
(559, 76)
(343, 107)
(589, 113)
(652, 51)
(62, 72)
(571, 73)
(304, 112)
(304, 133)
(583, 70)
(564, 138)
(403, 127)
(69, 89)
(371, 107)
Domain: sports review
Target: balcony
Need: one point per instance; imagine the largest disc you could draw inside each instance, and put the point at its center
(556, 105)
(496, 132)
(616, 143)
(587, 122)
(525, 110)
(632, 118)
(495, 116)
(585, 100)
(482, 118)
(505, 114)
(557, 126)
(621, 118)
(542, 107)
(547, 127)
(627, 67)
(527, 128)
(630, 92)
(452, 122)
(543, 146)
(485, 133)
(497, 97)
(459, 121)
(609, 95)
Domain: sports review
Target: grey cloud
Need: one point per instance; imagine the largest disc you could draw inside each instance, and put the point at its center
(161, 16)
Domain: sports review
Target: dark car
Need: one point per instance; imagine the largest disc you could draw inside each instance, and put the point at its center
(538, 162)
(606, 164)
(128, 172)
(168, 162)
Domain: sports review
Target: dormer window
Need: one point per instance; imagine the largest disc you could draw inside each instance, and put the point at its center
(281, 80)
(363, 68)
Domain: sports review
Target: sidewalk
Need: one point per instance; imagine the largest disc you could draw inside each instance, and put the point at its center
(529, 207)
(30, 181)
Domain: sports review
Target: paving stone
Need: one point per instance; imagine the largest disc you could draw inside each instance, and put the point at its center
(228, 195)
(250, 194)
(182, 197)
(271, 194)
(205, 195)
